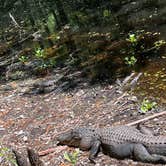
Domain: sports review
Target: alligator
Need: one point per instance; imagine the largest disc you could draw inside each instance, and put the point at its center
(120, 142)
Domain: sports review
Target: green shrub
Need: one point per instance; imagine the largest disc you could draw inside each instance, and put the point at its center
(23, 58)
(39, 53)
(72, 157)
(132, 38)
(147, 105)
(130, 60)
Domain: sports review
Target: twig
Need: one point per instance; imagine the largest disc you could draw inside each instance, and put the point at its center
(47, 151)
(146, 119)
(28, 37)
(119, 98)
(14, 20)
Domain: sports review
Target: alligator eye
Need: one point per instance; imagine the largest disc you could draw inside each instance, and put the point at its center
(75, 135)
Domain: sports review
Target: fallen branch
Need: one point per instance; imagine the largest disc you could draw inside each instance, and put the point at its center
(146, 119)
(51, 150)
(46, 152)
(127, 79)
(29, 37)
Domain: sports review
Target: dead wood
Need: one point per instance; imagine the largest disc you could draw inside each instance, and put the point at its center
(147, 118)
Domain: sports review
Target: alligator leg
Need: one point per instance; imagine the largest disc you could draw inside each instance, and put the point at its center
(92, 144)
(95, 149)
(141, 154)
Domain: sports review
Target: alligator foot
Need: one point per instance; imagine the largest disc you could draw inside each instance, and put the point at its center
(95, 148)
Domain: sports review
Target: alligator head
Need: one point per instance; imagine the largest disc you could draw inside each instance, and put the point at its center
(70, 138)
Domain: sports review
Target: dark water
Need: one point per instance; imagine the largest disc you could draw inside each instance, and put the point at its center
(152, 84)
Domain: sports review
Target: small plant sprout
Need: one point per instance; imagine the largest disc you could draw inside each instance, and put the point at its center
(132, 38)
(130, 60)
(7, 157)
(39, 53)
(106, 13)
(159, 43)
(72, 157)
(147, 105)
(23, 58)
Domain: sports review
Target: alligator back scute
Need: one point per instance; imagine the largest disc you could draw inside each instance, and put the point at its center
(126, 134)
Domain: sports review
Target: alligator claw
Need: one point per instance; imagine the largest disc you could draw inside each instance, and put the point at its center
(92, 160)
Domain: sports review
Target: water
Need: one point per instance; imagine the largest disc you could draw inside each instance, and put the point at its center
(152, 84)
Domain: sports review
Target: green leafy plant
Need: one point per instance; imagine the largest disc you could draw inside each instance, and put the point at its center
(159, 43)
(23, 58)
(39, 53)
(106, 13)
(72, 157)
(130, 60)
(7, 156)
(147, 105)
(132, 38)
